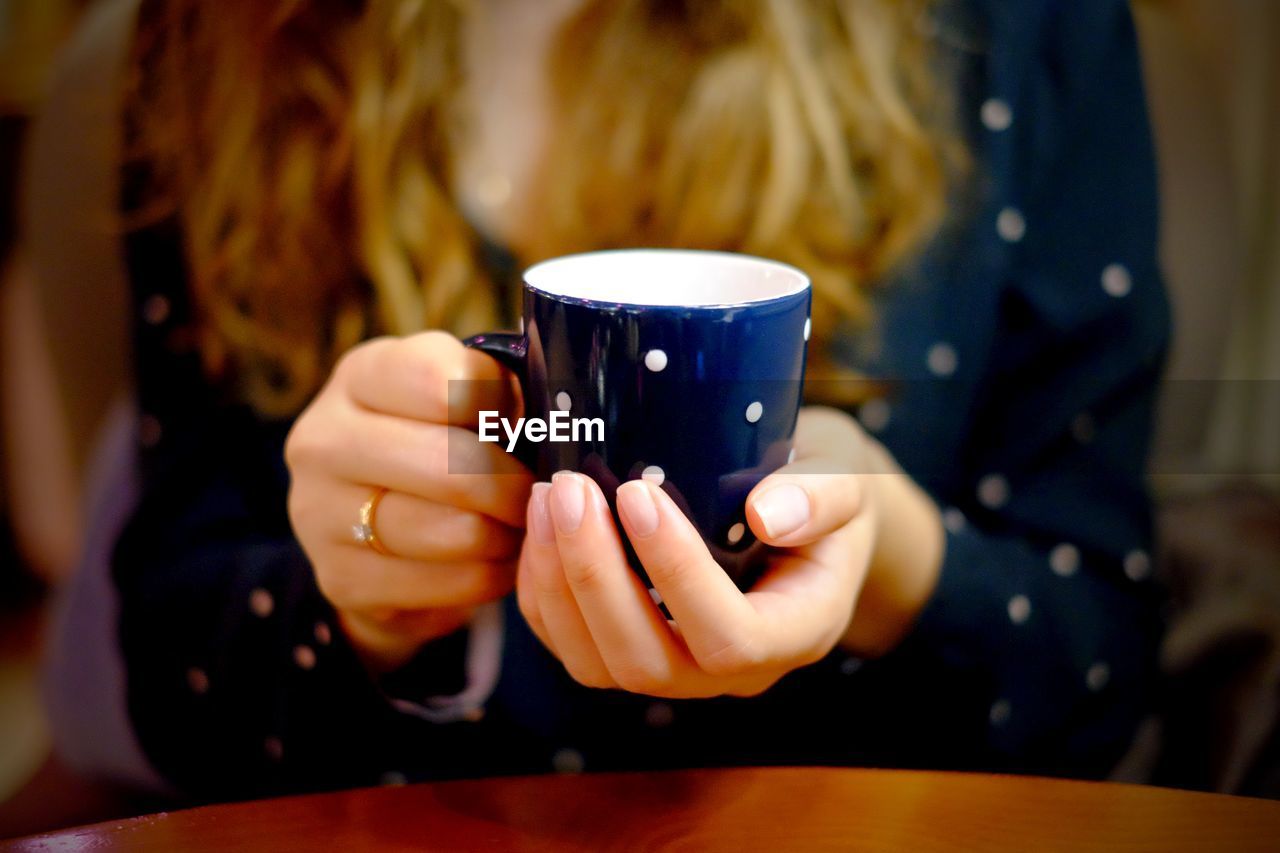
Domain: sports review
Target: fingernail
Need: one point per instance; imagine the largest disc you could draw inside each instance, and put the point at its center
(636, 506)
(783, 509)
(568, 501)
(540, 515)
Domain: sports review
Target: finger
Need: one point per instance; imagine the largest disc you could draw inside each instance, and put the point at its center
(803, 502)
(429, 377)
(363, 579)
(570, 639)
(805, 598)
(526, 598)
(408, 526)
(639, 649)
(717, 622)
(447, 465)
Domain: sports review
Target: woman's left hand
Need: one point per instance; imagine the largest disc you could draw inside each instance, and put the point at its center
(586, 605)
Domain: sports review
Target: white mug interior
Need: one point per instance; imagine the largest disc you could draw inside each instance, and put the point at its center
(666, 277)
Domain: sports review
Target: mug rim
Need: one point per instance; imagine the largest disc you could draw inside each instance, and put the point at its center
(800, 282)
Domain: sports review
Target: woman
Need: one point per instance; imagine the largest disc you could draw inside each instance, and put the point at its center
(969, 186)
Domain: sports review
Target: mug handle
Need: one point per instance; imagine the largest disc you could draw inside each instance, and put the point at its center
(511, 350)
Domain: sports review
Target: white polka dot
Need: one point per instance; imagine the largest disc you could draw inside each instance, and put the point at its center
(1083, 428)
(655, 360)
(996, 114)
(323, 634)
(304, 657)
(261, 603)
(654, 475)
(808, 327)
(874, 414)
(736, 532)
(659, 715)
(1010, 225)
(754, 411)
(850, 665)
(655, 596)
(474, 715)
(155, 310)
(149, 431)
(993, 491)
(1137, 565)
(563, 401)
(1064, 559)
(198, 681)
(953, 519)
(393, 779)
(1019, 609)
(942, 359)
(1000, 712)
(1097, 676)
(1116, 280)
(568, 761)
(791, 456)
(274, 748)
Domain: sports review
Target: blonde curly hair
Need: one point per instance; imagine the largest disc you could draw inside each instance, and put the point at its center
(307, 148)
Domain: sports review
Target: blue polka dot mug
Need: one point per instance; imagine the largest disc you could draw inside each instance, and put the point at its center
(682, 367)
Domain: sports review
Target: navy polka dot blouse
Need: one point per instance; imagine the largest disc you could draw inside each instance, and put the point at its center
(1020, 355)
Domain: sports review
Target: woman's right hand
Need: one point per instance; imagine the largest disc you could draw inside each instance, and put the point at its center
(396, 413)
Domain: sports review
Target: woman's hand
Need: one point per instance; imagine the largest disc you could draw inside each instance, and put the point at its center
(581, 599)
(385, 420)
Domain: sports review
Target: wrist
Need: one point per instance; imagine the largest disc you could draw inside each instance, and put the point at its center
(385, 644)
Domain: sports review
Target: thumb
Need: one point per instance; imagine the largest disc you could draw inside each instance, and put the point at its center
(803, 502)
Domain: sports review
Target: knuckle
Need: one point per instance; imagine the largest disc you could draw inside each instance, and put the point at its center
(303, 444)
(337, 586)
(735, 657)
(637, 677)
(588, 677)
(671, 572)
(585, 572)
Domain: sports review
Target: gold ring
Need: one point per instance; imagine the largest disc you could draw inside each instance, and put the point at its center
(364, 532)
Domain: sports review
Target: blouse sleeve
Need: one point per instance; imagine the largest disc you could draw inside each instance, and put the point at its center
(240, 682)
(1044, 602)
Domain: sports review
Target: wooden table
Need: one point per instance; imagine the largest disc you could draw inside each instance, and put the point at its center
(739, 810)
